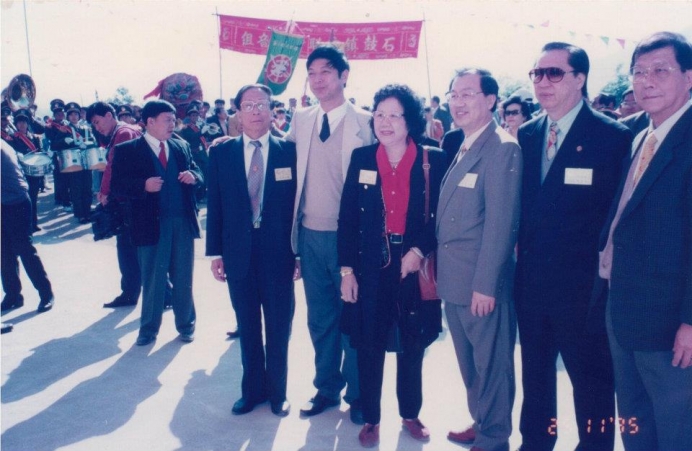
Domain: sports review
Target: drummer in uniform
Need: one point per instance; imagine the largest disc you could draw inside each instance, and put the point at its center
(59, 135)
(192, 133)
(79, 181)
(7, 129)
(26, 143)
(126, 115)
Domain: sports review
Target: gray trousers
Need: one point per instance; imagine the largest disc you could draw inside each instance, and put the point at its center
(485, 352)
(172, 256)
(322, 281)
(654, 398)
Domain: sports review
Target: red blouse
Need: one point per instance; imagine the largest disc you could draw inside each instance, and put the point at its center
(396, 187)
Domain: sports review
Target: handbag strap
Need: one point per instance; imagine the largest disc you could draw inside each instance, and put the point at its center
(426, 174)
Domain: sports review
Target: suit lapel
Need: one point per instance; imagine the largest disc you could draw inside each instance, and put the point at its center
(237, 169)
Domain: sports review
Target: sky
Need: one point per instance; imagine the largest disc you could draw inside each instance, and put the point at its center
(82, 47)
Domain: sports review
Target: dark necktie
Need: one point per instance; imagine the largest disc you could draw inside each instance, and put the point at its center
(254, 180)
(162, 155)
(324, 133)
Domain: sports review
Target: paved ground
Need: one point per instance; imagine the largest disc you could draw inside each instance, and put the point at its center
(72, 378)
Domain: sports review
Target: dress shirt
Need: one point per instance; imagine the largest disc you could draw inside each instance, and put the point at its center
(469, 140)
(335, 116)
(564, 124)
(248, 150)
(154, 144)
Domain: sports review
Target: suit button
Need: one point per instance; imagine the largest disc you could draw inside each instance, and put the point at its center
(452, 219)
(446, 246)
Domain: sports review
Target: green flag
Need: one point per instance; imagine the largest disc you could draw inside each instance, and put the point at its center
(282, 56)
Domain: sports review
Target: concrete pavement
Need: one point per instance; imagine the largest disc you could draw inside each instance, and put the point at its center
(72, 378)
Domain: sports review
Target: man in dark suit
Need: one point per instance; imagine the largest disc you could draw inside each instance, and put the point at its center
(441, 113)
(646, 256)
(477, 221)
(572, 162)
(158, 176)
(252, 186)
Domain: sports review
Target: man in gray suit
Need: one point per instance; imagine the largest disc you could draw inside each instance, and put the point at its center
(477, 222)
(325, 136)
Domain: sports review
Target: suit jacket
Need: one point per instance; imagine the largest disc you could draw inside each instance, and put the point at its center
(357, 133)
(477, 220)
(651, 277)
(229, 212)
(359, 242)
(442, 114)
(561, 222)
(132, 166)
(636, 122)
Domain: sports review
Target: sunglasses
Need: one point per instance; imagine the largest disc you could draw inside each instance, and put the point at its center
(554, 74)
(512, 112)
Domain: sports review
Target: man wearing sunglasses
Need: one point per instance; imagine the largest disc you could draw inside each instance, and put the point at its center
(572, 161)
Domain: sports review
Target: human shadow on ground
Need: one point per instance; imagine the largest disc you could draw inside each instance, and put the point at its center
(59, 358)
(95, 407)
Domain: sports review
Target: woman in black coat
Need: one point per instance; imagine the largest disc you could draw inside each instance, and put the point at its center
(382, 237)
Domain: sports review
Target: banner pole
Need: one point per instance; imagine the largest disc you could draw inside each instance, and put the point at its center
(218, 26)
(28, 47)
(427, 57)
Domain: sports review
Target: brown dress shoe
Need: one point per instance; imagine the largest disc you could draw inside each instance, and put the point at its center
(416, 429)
(369, 436)
(466, 437)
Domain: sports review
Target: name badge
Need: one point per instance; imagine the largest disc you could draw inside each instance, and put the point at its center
(367, 177)
(281, 174)
(578, 176)
(469, 180)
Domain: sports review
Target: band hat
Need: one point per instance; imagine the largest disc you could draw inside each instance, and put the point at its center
(72, 106)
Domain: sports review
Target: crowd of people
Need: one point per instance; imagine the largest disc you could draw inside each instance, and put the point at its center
(566, 220)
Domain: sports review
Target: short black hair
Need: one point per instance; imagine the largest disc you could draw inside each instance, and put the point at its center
(239, 97)
(489, 85)
(99, 109)
(218, 110)
(410, 102)
(681, 47)
(525, 107)
(577, 58)
(337, 59)
(435, 99)
(155, 107)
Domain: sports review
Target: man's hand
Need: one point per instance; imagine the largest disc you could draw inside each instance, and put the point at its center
(297, 274)
(481, 304)
(410, 263)
(217, 270)
(187, 178)
(153, 184)
(682, 349)
(349, 288)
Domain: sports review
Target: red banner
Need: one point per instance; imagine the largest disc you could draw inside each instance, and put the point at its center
(361, 41)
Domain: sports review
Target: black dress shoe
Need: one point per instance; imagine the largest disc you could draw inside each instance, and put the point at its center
(121, 301)
(356, 413)
(12, 303)
(243, 406)
(233, 333)
(6, 327)
(317, 405)
(45, 305)
(281, 409)
(144, 340)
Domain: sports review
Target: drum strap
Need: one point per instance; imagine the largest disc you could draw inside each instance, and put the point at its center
(27, 141)
(6, 136)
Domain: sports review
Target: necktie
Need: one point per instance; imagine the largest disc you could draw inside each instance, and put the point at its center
(647, 155)
(254, 180)
(324, 133)
(551, 150)
(461, 153)
(162, 155)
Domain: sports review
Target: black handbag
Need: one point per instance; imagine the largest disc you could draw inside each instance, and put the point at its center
(107, 221)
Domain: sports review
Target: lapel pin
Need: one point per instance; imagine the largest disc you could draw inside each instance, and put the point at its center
(579, 148)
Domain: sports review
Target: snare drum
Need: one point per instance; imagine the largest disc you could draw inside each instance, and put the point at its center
(70, 160)
(36, 164)
(94, 158)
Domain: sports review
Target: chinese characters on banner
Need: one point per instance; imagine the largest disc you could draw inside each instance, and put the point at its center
(282, 56)
(362, 41)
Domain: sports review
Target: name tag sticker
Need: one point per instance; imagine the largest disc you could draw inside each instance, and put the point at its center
(367, 177)
(282, 174)
(469, 180)
(578, 176)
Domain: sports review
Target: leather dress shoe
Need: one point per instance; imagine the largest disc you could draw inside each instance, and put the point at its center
(186, 338)
(281, 409)
(121, 301)
(317, 405)
(356, 413)
(243, 406)
(233, 333)
(466, 437)
(12, 303)
(416, 429)
(6, 327)
(144, 340)
(369, 436)
(45, 305)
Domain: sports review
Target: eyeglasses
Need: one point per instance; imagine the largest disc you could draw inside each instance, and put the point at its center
(380, 116)
(512, 112)
(248, 105)
(554, 74)
(465, 95)
(659, 72)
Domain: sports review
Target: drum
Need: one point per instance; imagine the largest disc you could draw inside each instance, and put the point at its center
(36, 164)
(70, 160)
(94, 158)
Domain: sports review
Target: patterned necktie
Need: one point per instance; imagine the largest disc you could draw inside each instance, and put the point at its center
(647, 155)
(254, 180)
(461, 153)
(324, 133)
(162, 155)
(551, 150)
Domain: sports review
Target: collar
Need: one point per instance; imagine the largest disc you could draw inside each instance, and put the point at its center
(264, 140)
(335, 116)
(566, 121)
(154, 143)
(469, 140)
(662, 130)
